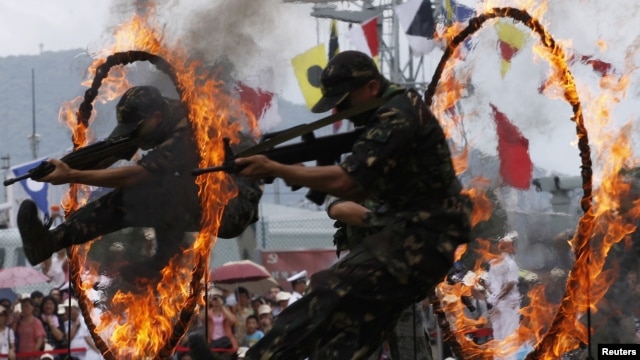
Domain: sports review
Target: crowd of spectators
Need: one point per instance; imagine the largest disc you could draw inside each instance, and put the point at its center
(234, 321)
(37, 322)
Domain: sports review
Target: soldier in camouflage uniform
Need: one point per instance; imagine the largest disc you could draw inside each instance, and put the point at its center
(157, 191)
(408, 339)
(403, 160)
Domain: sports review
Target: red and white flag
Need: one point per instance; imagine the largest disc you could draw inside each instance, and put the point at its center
(516, 168)
(255, 97)
(364, 37)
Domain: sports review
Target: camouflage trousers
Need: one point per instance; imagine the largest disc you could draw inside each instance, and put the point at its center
(143, 206)
(351, 308)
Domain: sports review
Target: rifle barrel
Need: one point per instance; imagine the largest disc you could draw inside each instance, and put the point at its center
(197, 172)
(16, 179)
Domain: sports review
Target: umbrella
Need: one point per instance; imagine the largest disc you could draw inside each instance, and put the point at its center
(236, 271)
(21, 275)
(254, 277)
(7, 293)
(255, 287)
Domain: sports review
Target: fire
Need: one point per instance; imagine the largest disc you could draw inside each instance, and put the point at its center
(142, 325)
(610, 215)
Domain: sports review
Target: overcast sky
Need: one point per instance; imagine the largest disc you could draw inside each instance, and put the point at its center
(29, 26)
(25, 25)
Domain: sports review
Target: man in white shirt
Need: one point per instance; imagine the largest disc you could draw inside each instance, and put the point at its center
(299, 286)
(502, 292)
(80, 335)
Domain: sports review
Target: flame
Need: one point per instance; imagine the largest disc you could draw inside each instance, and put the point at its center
(587, 282)
(138, 325)
(558, 328)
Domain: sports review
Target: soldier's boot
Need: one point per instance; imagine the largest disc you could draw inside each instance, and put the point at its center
(37, 242)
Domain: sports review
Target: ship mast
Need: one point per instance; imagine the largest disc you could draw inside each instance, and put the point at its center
(400, 66)
(34, 138)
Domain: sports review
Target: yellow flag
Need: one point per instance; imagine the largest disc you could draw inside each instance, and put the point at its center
(510, 41)
(308, 66)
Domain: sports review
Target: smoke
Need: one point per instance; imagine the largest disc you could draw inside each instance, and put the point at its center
(253, 36)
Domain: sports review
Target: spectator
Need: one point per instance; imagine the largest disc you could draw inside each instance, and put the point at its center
(47, 356)
(11, 318)
(56, 294)
(17, 315)
(253, 331)
(62, 313)
(220, 321)
(52, 323)
(502, 292)
(266, 318)
(56, 268)
(299, 286)
(29, 329)
(79, 335)
(230, 299)
(256, 302)
(6, 303)
(37, 297)
(242, 310)
(273, 292)
(282, 300)
(7, 336)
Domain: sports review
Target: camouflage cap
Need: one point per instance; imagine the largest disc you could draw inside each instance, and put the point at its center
(347, 71)
(136, 104)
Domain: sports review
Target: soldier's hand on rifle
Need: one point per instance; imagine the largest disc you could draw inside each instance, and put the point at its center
(289, 184)
(60, 175)
(256, 167)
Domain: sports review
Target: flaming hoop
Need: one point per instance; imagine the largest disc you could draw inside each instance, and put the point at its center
(149, 323)
(550, 345)
(83, 115)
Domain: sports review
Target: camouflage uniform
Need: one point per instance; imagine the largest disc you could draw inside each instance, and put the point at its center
(403, 159)
(169, 201)
(408, 339)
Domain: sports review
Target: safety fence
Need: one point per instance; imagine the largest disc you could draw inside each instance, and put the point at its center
(276, 230)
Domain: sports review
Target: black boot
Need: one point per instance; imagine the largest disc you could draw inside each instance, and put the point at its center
(37, 242)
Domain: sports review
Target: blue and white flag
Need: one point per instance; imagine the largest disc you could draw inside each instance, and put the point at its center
(455, 11)
(36, 190)
(417, 20)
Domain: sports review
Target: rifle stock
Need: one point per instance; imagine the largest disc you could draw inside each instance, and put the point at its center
(98, 155)
(325, 150)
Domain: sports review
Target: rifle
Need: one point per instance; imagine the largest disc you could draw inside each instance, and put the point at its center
(98, 155)
(326, 150)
